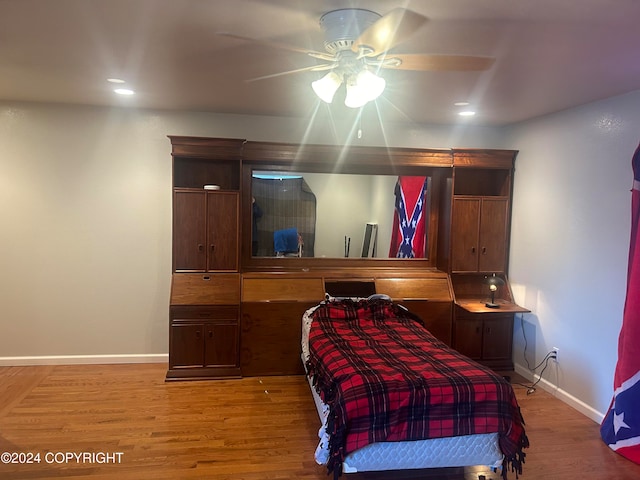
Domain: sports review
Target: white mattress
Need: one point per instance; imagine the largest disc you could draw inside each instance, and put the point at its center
(467, 450)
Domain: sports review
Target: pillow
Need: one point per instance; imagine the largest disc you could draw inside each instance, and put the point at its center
(379, 296)
(375, 296)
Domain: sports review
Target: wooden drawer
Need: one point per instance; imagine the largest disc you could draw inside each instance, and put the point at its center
(205, 289)
(198, 312)
(282, 289)
(398, 289)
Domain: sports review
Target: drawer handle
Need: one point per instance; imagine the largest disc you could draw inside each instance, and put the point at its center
(206, 278)
(200, 247)
(210, 334)
(198, 334)
(484, 250)
(473, 250)
(213, 247)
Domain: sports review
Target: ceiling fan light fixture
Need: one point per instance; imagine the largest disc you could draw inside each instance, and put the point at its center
(327, 86)
(344, 25)
(362, 88)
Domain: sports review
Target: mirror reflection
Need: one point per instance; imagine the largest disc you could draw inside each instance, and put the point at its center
(322, 215)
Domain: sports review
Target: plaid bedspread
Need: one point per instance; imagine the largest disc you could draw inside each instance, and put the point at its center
(385, 378)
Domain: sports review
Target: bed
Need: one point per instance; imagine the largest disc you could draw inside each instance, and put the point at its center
(391, 396)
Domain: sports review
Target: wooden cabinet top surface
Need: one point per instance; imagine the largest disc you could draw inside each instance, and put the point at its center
(478, 306)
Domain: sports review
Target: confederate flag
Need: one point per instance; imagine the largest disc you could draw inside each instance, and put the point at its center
(409, 224)
(620, 428)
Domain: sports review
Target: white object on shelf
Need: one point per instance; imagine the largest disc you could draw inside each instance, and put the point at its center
(212, 187)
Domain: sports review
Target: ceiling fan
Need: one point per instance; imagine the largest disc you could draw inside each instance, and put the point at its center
(358, 44)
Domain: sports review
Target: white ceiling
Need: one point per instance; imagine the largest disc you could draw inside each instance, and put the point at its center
(550, 55)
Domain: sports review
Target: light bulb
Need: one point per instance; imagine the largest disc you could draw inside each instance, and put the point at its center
(372, 84)
(356, 96)
(327, 86)
(363, 88)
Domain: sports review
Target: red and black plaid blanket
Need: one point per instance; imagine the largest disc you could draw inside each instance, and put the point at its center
(385, 378)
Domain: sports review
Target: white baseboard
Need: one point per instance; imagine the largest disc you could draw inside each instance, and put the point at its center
(83, 359)
(579, 405)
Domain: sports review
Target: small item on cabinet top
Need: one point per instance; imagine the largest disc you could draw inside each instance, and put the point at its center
(212, 187)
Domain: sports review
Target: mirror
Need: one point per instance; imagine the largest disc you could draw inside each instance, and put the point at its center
(336, 215)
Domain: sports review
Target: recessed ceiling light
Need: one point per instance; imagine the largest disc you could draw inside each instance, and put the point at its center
(466, 113)
(115, 80)
(124, 91)
(461, 104)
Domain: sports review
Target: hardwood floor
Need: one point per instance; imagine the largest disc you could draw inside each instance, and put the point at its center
(248, 429)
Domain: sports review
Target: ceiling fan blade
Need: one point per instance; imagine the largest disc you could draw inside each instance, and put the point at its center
(281, 46)
(438, 63)
(313, 68)
(388, 31)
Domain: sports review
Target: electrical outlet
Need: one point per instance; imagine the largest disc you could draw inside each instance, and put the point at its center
(554, 355)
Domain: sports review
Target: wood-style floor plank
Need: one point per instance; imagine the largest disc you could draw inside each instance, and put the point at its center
(247, 429)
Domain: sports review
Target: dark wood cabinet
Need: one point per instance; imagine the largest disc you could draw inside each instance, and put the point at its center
(204, 328)
(485, 337)
(204, 341)
(205, 230)
(479, 234)
(479, 247)
(481, 332)
(204, 344)
(204, 313)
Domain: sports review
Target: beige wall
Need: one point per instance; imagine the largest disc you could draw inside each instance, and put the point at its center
(85, 209)
(570, 243)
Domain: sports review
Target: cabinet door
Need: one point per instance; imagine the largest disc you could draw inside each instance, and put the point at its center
(479, 234)
(493, 235)
(189, 231)
(270, 338)
(497, 338)
(186, 346)
(468, 337)
(465, 227)
(221, 345)
(222, 229)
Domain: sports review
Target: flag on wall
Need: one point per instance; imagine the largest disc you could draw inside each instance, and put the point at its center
(620, 428)
(409, 219)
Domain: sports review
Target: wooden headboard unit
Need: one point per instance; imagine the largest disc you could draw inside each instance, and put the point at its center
(273, 304)
(234, 313)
